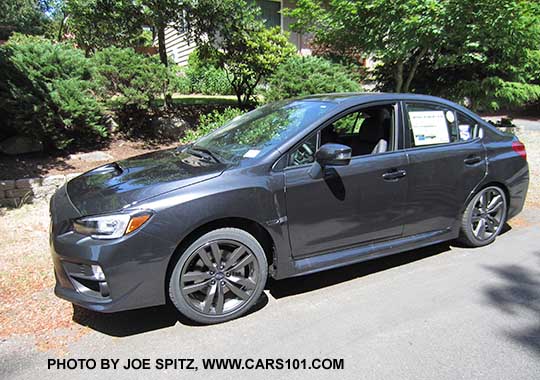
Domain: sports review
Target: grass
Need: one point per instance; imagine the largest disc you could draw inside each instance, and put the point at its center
(196, 99)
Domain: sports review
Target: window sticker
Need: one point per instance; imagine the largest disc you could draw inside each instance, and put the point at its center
(429, 127)
(252, 153)
(464, 132)
(450, 116)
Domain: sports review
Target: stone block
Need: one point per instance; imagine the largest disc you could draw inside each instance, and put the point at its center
(7, 184)
(17, 193)
(27, 183)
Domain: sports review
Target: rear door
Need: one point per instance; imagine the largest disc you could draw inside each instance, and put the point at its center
(447, 160)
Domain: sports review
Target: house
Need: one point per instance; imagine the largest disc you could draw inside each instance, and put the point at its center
(178, 47)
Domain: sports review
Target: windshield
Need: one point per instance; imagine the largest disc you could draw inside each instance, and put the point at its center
(260, 131)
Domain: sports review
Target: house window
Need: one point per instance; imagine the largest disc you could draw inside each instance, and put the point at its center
(270, 12)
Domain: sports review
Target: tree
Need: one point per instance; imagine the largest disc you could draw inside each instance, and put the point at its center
(97, 24)
(159, 14)
(22, 16)
(491, 57)
(231, 33)
(399, 33)
(473, 40)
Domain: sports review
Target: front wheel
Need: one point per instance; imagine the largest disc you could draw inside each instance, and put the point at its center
(484, 217)
(219, 277)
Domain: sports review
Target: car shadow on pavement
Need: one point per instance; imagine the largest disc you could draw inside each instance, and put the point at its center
(303, 284)
(518, 295)
(132, 322)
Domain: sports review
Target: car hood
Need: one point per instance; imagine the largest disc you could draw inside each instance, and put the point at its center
(114, 186)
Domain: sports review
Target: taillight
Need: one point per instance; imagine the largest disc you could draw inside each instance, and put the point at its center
(519, 148)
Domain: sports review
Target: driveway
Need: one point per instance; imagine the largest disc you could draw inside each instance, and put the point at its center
(441, 312)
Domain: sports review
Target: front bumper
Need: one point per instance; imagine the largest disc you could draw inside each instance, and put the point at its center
(107, 275)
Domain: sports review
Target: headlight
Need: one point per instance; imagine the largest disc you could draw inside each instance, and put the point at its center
(110, 226)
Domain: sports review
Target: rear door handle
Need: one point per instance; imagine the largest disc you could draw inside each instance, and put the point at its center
(473, 159)
(393, 175)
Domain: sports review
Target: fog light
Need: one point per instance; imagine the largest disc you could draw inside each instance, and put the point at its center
(98, 273)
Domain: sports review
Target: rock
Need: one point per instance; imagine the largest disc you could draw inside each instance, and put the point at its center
(54, 180)
(18, 193)
(111, 124)
(1, 194)
(11, 202)
(20, 145)
(169, 127)
(7, 184)
(27, 183)
(91, 156)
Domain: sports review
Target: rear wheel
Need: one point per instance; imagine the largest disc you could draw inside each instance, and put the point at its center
(484, 217)
(219, 277)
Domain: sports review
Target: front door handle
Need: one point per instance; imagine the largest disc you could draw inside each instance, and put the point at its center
(472, 160)
(394, 175)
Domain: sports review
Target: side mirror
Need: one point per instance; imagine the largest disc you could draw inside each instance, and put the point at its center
(333, 155)
(330, 155)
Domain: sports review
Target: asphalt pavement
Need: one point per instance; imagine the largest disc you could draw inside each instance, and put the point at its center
(441, 312)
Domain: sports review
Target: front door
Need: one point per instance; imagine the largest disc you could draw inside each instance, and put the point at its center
(351, 205)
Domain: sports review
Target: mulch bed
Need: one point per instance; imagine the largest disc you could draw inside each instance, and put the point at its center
(42, 164)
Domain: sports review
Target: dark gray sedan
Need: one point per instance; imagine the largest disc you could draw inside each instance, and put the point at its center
(291, 188)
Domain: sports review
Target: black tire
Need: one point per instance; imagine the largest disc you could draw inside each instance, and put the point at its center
(479, 227)
(221, 294)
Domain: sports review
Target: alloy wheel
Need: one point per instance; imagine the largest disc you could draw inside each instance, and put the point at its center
(488, 213)
(219, 277)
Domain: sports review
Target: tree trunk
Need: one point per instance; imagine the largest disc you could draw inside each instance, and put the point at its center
(161, 44)
(413, 69)
(61, 28)
(398, 75)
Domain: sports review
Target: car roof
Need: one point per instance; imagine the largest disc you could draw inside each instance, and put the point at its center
(365, 97)
(350, 99)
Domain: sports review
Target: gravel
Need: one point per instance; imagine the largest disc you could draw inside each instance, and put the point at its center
(531, 139)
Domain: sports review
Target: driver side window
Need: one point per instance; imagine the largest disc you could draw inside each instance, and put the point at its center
(366, 131)
(305, 153)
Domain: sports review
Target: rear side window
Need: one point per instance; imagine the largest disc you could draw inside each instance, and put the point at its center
(433, 125)
(467, 127)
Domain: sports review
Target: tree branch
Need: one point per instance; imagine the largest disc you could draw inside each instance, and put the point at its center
(413, 68)
(398, 75)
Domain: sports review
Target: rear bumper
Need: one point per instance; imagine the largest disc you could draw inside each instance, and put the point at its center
(106, 275)
(518, 185)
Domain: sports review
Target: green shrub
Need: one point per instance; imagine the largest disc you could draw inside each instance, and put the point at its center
(493, 94)
(210, 122)
(179, 82)
(46, 93)
(204, 77)
(300, 76)
(127, 80)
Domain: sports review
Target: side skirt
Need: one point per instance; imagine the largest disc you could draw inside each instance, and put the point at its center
(358, 254)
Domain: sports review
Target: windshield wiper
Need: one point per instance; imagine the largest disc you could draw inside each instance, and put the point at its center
(206, 153)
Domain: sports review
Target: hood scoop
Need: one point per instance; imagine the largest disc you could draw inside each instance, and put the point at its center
(117, 185)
